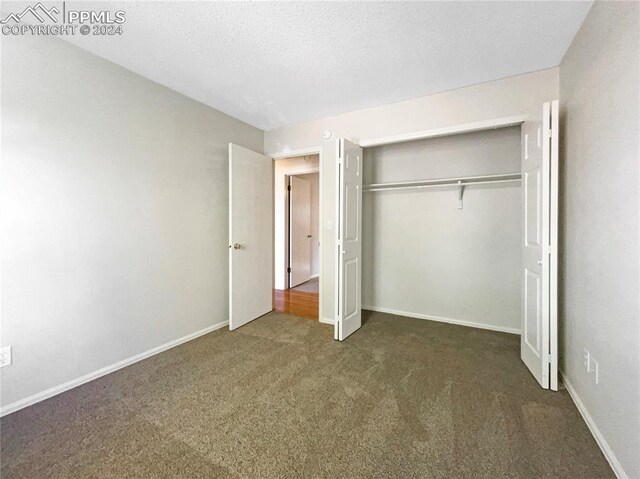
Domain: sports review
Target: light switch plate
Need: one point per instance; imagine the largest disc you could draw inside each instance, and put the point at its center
(5, 356)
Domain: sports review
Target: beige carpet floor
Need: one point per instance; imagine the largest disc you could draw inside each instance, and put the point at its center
(278, 398)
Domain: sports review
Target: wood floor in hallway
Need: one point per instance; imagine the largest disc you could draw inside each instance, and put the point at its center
(303, 304)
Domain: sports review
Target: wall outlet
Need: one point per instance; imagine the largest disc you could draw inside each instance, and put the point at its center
(595, 369)
(591, 365)
(5, 356)
(586, 360)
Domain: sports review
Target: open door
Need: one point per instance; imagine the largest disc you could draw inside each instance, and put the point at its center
(299, 231)
(538, 340)
(349, 221)
(250, 235)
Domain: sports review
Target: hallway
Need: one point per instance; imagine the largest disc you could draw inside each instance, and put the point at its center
(311, 286)
(301, 301)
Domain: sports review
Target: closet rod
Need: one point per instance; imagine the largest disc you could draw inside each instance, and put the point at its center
(460, 181)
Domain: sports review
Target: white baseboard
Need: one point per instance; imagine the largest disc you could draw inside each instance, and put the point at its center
(314, 276)
(459, 322)
(326, 321)
(604, 445)
(55, 390)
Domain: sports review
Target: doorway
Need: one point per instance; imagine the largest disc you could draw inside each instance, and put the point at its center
(296, 238)
(303, 269)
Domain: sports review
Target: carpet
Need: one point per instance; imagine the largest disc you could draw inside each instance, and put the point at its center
(279, 398)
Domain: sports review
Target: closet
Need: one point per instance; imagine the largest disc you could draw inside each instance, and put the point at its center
(447, 247)
(457, 228)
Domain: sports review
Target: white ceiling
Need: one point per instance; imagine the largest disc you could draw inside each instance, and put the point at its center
(276, 63)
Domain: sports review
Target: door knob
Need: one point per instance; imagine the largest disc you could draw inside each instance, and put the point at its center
(235, 246)
(540, 262)
(308, 236)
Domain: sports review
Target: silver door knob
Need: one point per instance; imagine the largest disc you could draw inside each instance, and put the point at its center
(540, 262)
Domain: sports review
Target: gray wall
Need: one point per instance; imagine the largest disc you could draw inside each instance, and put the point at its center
(600, 247)
(115, 221)
(423, 256)
(518, 95)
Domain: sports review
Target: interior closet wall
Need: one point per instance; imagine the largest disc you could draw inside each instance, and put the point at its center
(425, 258)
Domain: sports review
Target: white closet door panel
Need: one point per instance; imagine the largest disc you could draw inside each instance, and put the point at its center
(349, 268)
(553, 244)
(538, 343)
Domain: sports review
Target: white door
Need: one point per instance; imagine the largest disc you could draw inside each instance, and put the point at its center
(299, 230)
(250, 235)
(349, 245)
(538, 340)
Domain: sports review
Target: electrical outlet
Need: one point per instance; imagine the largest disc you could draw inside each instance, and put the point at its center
(586, 360)
(591, 365)
(5, 356)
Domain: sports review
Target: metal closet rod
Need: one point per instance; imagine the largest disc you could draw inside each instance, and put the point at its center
(460, 181)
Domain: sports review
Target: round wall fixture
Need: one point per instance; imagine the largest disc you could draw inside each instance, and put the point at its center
(327, 134)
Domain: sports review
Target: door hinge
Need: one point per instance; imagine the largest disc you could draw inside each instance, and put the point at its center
(289, 270)
(549, 133)
(288, 187)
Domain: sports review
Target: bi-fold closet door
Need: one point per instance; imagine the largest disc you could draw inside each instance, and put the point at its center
(349, 240)
(539, 163)
(539, 330)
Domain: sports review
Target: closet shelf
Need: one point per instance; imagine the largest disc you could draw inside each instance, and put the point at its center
(441, 182)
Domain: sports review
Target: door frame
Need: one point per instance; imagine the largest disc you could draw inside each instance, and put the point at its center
(303, 171)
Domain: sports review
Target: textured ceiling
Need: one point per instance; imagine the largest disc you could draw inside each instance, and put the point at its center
(277, 63)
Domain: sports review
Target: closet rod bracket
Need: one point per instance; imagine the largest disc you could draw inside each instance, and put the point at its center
(460, 193)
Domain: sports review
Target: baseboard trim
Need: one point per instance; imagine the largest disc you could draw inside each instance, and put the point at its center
(602, 442)
(314, 276)
(459, 322)
(55, 390)
(326, 321)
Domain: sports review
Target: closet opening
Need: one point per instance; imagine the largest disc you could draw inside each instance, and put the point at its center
(441, 229)
(457, 225)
